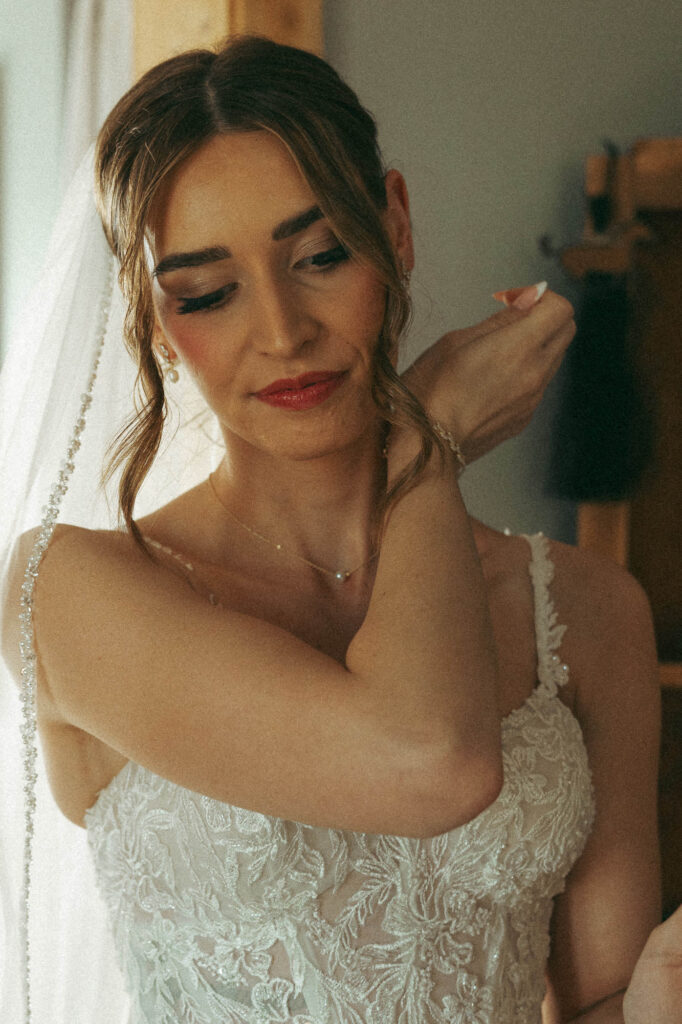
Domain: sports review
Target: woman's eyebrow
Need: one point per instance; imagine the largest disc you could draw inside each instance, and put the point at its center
(299, 222)
(197, 258)
(212, 254)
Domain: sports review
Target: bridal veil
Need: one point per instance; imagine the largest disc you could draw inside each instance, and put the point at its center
(67, 387)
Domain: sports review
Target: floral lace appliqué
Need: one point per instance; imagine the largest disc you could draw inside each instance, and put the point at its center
(226, 915)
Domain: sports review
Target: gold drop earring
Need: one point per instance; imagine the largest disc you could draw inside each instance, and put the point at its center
(169, 372)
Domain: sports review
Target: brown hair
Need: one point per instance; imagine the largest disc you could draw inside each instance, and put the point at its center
(249, 84)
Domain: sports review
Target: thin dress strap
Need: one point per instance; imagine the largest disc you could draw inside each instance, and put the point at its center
(183, 561)
(552, 671)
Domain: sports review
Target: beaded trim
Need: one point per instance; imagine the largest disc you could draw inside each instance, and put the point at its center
(552, 672)
(183, 561)
(27, 641)
(168, 551)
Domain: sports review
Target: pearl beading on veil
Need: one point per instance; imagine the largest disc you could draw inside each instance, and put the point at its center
(27, 641)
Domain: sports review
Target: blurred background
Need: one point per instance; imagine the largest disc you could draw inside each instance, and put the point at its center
(489, 110)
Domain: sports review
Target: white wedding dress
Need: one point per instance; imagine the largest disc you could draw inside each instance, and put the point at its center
(222, 914)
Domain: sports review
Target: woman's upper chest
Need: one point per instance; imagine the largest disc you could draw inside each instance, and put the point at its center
(327, 614)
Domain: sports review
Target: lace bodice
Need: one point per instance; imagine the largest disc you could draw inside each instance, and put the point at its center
(222, 914)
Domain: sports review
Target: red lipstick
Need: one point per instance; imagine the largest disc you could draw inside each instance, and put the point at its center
(304, 392)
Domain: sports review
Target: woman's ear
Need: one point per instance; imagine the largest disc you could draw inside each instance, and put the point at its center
(397, 217)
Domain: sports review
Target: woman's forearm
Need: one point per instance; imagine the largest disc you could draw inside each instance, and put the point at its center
(426, 643)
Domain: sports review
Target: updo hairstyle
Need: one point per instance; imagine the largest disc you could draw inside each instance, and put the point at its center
(249, 84)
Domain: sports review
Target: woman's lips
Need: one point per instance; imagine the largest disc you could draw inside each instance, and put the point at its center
(304, 392)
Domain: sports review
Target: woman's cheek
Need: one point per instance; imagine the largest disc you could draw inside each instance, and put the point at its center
(366, 308)
(191, 338)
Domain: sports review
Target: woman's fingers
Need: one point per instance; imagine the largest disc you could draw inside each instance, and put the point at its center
(485, 382)
(665, 941)
(554, 317)
(557, 344)
(525, 330)
(522, 298)
(654, 995)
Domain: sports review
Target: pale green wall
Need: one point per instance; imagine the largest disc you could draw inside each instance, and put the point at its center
(31, 58)
(489, 110)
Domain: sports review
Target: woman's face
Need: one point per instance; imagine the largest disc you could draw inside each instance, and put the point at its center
(259, 301)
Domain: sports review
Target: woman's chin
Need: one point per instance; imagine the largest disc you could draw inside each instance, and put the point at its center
(305, 436)
(302, 446)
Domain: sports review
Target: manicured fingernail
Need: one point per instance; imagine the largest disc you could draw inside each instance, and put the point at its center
(529, 296)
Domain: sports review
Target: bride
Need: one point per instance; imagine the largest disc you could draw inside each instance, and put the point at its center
(336, 760)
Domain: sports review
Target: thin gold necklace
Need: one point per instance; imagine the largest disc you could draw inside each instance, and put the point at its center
(340, 575)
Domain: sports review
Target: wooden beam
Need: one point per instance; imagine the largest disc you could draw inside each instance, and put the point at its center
(578, 260)
(670, 674)
(292, 22)
(658, 174)
(163, 28)
(604, 527)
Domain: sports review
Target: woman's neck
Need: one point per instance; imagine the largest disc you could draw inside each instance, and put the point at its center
(322, 509)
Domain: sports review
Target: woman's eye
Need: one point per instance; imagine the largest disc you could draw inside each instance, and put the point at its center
(213, 300)
(209, 301)
(327, 258)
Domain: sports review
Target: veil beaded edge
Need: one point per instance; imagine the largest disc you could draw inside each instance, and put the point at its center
(66, 366)
(27, 645)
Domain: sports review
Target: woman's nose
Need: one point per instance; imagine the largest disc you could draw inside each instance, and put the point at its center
(283, 324)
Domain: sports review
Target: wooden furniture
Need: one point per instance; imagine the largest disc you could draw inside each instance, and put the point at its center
(642, 192)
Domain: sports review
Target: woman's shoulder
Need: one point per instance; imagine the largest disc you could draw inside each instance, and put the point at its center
(597, 592)
(78, 553)
(75, 558)
(583, 581)
(174, 524)
(68, 540)
(68, 547)
(603, 606)
(609, 642)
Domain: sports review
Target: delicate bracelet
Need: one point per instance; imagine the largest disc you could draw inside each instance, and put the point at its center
(451, 443)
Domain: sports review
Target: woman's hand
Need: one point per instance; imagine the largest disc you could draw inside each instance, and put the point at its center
(654, 995)
(485, 382)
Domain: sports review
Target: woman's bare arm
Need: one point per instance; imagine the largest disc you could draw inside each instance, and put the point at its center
(429, 608)
(403, 740)
(612, 897)
(406, 740)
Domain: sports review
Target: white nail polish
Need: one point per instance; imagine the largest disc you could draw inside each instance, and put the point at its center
(540, 289)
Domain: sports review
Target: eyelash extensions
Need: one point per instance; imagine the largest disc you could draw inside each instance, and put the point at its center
(208, 301)
(324, 261)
